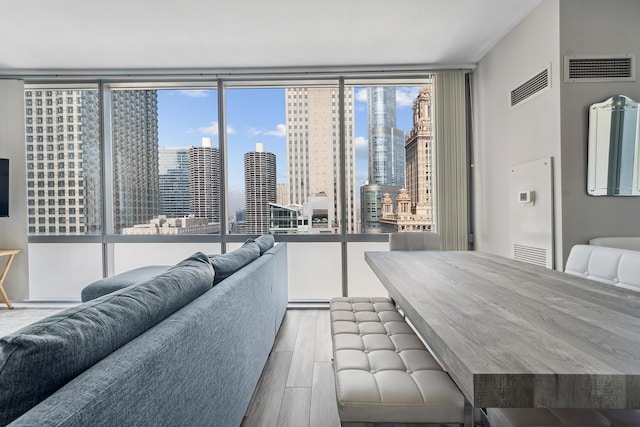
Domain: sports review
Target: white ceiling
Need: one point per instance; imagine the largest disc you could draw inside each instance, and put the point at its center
(225, 34)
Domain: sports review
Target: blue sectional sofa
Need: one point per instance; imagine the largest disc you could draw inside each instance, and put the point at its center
(174, 350)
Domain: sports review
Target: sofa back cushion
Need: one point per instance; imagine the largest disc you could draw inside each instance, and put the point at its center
(40, 358)
(225, 265)
(109, 284)
(265, 242)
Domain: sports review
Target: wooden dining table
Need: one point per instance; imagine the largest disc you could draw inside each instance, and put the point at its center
(512, 334)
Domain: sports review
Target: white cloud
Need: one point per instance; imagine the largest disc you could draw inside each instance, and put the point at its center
(405, 96)
(212, 129)
(280, 131)
(361, 95)
(199, 93)
(361, 143)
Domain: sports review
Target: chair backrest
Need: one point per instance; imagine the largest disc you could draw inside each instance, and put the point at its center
(630, 243)
(619, 267)
(414, 241)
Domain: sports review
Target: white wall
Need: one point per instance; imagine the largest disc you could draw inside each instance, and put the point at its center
(594, 27)
(552, 124)
(13, 230)
(504, 136)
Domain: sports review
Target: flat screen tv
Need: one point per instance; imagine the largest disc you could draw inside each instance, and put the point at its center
(4, 187)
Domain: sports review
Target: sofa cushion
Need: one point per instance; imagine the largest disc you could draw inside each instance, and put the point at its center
(265, 242)
(40, 358)
(225, 265)
(109, 284)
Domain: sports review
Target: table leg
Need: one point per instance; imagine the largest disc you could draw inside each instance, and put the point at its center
(4, 275)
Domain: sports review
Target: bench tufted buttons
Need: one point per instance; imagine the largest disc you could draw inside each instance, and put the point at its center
(396, 394)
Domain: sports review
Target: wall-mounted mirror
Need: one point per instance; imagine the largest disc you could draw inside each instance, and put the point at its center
(614, 148)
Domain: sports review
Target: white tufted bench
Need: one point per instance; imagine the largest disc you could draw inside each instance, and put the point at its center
(384, 374)
(613, 266)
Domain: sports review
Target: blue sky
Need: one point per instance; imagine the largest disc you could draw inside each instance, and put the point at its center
(255, 115)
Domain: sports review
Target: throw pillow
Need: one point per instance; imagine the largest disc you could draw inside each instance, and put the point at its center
(226, 264)
(265, 242)
(40, 358)
(119, 281)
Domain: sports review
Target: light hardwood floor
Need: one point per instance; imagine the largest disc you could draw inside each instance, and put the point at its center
(296, 388)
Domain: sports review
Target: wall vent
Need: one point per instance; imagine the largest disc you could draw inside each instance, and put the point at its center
(530, 254)
(620, 68)
(531, 87)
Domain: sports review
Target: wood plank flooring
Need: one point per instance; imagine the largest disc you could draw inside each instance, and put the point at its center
(297, 388)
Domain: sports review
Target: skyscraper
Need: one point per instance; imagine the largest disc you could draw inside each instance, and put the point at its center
(419, 156)
(63, 161)
(204, 181)
(282, 194)
(260, 188)
(413, 205)
(386, 156)
(386, 143)
(313, 147)
(134, 122)
(173, 181)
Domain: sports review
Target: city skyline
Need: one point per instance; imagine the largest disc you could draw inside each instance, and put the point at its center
(146, 124)
(258, 115)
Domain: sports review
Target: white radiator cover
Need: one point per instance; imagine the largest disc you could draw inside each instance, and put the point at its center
(532, 231)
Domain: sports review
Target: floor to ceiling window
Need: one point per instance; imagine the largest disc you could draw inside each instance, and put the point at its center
(63, 148)
(394, 156)
(166, 161)
(324, 164)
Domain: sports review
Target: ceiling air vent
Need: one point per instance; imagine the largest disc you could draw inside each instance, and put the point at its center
(620, 68)
(531, 87)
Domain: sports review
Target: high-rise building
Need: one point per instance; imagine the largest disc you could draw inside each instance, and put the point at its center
(419, 156)
(134, 123)
(173, 182)
(313, 147)
(204, 181)
(282, 194)
(63, 161)
(413, 205)
(386, 156)
(260, 188)
(386, 143)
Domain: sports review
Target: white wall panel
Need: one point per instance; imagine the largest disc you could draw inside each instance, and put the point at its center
(59, 271)
(315, 271)
(505, 136)
(13, 230)
(132, 255)
(362, 281)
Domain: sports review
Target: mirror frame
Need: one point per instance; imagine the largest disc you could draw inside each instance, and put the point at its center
(613, 165)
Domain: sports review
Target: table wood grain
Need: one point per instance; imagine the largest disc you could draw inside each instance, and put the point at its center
(512, 334)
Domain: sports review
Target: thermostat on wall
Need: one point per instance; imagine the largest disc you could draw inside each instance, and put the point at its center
(526, 198)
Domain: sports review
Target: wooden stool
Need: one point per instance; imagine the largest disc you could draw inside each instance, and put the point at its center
(11, 253)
